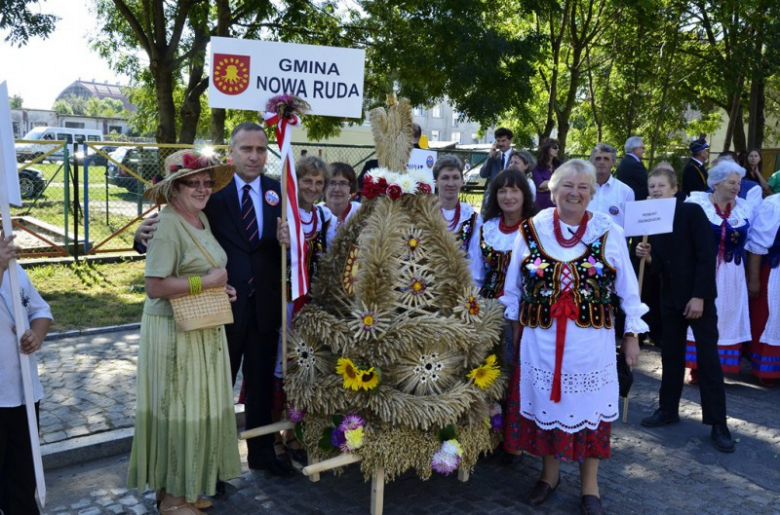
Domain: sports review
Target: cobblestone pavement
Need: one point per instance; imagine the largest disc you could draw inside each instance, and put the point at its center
(666, 471)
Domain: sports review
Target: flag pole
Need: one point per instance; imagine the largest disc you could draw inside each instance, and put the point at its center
(20, 318)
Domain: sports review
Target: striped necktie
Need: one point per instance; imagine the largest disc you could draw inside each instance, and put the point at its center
(249, 218)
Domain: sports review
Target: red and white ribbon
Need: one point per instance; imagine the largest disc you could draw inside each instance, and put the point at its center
(299, 276)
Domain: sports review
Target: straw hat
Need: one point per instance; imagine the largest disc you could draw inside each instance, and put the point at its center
(182, 163)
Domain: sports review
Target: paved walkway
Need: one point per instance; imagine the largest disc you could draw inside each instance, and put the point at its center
(90, 386)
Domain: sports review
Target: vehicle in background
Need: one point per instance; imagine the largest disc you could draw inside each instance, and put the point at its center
(143, 161)
(472, 181)
(31, 182)
(95, 159)
(30, 151)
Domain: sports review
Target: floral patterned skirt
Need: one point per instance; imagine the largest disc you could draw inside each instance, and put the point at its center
(522, 434)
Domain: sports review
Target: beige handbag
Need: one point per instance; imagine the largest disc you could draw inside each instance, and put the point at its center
(210, 308)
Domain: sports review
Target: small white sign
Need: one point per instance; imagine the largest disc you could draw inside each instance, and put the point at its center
(246, 73)
(9, 175)
(645, 217)
(422, 159)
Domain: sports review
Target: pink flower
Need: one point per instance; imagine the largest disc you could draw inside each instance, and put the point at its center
(424, 188)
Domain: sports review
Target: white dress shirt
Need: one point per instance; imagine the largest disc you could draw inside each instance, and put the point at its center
(611, 198)
(256, 194)
(11, 389)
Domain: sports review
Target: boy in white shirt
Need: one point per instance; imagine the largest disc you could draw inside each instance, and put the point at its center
(17, 473)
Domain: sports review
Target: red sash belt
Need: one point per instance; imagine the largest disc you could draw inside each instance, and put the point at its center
(562, 310)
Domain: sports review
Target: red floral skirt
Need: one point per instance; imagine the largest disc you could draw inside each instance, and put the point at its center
(522, 434)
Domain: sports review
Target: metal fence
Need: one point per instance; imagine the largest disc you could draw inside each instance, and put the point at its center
(93, 204)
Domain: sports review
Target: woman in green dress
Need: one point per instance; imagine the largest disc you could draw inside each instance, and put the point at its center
(185, 429)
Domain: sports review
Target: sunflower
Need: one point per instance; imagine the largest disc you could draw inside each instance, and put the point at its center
(368, 379)
(350, 372)
(485, 375)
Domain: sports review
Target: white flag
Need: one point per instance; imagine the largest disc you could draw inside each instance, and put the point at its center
(8, 171)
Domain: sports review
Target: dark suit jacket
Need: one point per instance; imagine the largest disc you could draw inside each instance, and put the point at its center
(694, 178)
(685, 258)
(490, 168)
(263, 263)
(633, 173)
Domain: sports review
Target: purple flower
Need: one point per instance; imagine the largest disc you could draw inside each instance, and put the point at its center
(445, 463)
(294, 414)
(496, 422)
(351, 422)
(337, 438)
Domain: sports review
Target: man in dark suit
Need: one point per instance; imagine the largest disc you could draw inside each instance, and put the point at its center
(631, 170)
(685, 260)
(694, 176)
(498, 159)
(254, 270)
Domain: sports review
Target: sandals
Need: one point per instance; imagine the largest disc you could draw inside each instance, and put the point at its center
(184, 508)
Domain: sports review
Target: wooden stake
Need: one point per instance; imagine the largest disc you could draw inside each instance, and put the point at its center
(339, 461)
(463, 475)
(625, 408)
(642, 267)
(266, 430)
(378, 491)
(314, 477)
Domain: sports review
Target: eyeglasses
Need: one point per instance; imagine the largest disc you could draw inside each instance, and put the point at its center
(554, 147)
(195, 184)
(338, 184)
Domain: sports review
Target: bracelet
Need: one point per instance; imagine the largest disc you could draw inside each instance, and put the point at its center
(630, 335)
(196, 286)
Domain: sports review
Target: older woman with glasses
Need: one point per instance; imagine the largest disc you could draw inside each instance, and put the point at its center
(342, 187)
(547, 163)
(185, 427)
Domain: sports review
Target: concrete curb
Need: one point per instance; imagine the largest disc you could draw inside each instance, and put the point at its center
(82, 449)
(93, 331)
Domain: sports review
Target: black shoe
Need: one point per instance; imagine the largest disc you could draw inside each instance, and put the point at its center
(591, 505)
(278, 466)
(660, 418)
(722, 438)
(541, 491)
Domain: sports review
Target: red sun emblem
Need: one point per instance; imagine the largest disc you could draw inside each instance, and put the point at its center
(231, 73)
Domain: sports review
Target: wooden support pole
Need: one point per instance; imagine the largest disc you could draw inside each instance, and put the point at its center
(314, 477)
(339, 461)
(378, 491)
(625, 407)
(463, 475)
(265, 430)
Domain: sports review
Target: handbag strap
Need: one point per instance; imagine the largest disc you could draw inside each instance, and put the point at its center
(205, 252)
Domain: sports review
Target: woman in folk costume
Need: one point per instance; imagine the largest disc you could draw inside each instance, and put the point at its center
(185, 426)
(342, 186)
(764, 287)
(566, 270)
(730, 218)
(313, 176)
(509, 202)
(461, 218)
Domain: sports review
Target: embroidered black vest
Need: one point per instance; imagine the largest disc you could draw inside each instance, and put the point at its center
(593, 284)
(315, 249)
(496, 263)
(773, 256)
(465, 231)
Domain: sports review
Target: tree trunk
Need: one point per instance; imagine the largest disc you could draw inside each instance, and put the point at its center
(166, 109)
(740, 141)
(196, 86)
(219, 115)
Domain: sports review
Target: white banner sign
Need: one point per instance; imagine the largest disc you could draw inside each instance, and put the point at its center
(8, 169)
(645, 217)
(246, 73)
(421, 159)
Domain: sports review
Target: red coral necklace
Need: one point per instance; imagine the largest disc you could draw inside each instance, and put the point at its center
(313, 222)
(508, 229)
(452, 224)
(574, 240)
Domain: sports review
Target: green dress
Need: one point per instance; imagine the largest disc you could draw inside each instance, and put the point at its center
(185, 426)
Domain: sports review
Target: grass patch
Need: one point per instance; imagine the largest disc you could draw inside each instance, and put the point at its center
(86, 295)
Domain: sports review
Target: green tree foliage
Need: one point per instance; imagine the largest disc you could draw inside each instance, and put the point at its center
(22, 22)
(16, 102)
(93, 106)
